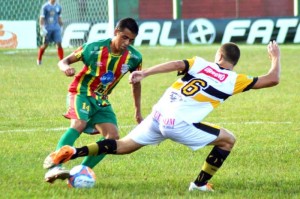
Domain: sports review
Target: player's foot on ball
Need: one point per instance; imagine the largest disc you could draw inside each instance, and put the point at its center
(207, 187)
(64, 154)
(57, 173)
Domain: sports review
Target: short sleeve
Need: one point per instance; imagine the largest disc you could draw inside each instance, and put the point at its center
(188, 63)
(243, 83)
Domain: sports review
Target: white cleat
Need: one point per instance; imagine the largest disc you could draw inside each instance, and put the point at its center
(57, 173)
(48, 162)
(60, 156)
(207, 187)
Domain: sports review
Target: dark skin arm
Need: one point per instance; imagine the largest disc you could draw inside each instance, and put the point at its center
(137, 76)
(136, 93)
(64, 65)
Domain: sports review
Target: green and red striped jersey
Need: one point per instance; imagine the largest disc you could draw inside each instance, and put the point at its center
(103, 70)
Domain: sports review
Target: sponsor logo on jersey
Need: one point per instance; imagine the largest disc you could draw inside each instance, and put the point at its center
(95, 51)
(124, 68)
(133, 56)
(209, 71)
(175, 97)
(107, 78)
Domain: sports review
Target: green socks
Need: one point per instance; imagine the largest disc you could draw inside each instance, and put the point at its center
(68, 138)
(92, 161)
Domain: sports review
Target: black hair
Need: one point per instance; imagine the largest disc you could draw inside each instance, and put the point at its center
(231, 52)
(128, 23)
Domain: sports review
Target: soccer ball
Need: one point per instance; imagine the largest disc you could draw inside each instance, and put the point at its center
(82, 177)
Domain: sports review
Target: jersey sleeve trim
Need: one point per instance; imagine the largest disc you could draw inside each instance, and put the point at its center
(251, 85)
(78, 52)
(186, 69)
(187, 77)
(243, 83)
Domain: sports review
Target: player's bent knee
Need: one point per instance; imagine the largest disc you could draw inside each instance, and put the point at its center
(231, 140)
(79, 125)
(228, 139)
(113, 135)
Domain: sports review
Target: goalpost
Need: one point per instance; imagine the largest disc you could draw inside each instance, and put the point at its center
(73, 11)
(88, 11)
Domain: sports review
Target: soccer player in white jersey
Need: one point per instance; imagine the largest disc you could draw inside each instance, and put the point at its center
(180, 112)
(50, 28)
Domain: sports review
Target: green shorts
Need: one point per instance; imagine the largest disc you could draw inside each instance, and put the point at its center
(91, 110)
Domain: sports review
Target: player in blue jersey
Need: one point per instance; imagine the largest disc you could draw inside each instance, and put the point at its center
(50, 28)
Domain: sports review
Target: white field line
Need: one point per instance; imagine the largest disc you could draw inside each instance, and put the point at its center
(132, 126)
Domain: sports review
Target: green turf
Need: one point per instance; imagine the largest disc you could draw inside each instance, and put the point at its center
(263, 164)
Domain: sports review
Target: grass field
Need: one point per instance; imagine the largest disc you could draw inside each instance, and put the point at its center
(264, 163)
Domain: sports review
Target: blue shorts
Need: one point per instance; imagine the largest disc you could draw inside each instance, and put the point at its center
(53, 36)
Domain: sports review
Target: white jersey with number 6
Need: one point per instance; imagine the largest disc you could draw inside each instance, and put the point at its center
(202, 88)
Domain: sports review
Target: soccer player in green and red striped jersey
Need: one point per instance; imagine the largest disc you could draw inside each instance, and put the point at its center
(89, 110)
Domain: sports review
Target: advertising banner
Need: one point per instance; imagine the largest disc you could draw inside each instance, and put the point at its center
(22, 34)
(208, 31)
(18, 34)
(195, 31)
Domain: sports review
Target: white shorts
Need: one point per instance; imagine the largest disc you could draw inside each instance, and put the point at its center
(152, 131)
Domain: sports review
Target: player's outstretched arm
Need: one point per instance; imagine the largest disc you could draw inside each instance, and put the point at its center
(273, 76)
(137, 76)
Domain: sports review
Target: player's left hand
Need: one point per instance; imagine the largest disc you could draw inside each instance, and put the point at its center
(273, 50)
(70, 72)
(138, 117)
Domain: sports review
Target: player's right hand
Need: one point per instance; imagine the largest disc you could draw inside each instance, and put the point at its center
(136, 76)
(70, 72)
